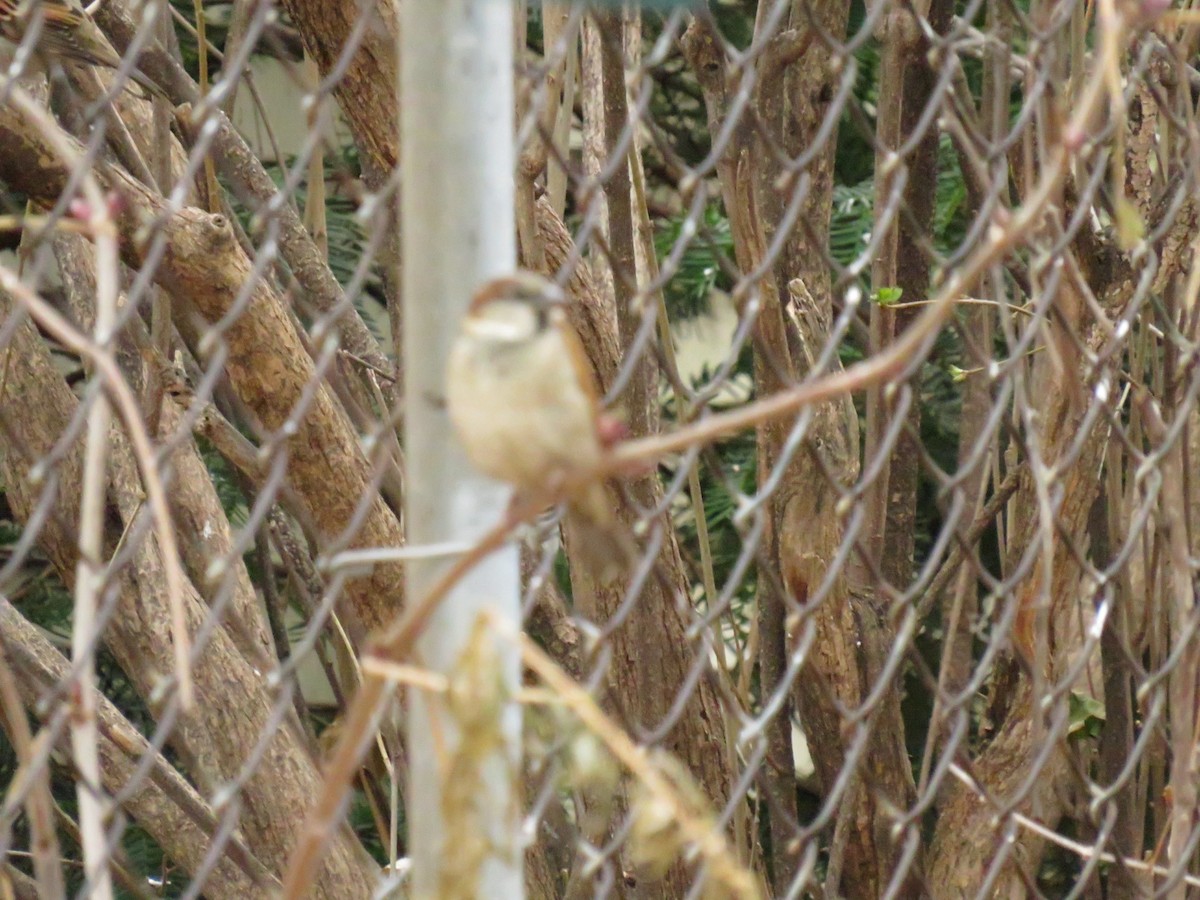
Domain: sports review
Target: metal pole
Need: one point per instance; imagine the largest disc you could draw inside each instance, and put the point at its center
(456, 121)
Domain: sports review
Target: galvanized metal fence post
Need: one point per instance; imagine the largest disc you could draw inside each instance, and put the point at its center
(456, 98)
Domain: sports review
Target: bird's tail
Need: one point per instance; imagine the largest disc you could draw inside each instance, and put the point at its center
(597, 539)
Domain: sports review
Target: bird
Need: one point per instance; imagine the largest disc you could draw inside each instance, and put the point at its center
(65, 32)
(524, 402)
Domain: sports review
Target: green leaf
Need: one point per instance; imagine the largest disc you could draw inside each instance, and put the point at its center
(699, 269)
(1086, 719)
(887, 296)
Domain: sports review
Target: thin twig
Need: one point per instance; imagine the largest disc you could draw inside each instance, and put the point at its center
(393, 645)
(39, 804)
(59, 328)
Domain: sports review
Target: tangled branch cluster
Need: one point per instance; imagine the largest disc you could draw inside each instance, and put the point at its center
(899, 303)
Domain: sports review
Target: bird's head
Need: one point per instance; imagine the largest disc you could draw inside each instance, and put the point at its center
(514, 307)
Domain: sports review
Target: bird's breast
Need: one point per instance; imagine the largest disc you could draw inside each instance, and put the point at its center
(520, 410)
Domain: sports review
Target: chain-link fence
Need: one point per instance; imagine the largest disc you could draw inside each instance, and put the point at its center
(875, 576)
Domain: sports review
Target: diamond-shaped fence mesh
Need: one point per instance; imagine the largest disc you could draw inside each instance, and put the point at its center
(886, 579)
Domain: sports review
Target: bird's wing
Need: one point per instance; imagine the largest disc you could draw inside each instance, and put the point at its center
(582, 365)
(66, 29)
(63, 15)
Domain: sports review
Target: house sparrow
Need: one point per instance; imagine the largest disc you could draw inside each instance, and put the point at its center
(522, 397)
(65, 32)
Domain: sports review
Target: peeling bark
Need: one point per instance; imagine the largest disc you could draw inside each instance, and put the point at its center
(204, 270)
(232, 708)
(164, 804)
(852, 633)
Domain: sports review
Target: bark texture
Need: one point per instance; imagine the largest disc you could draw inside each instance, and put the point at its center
(849, 630)
(164, 804)
(205, 270)
(217, 736)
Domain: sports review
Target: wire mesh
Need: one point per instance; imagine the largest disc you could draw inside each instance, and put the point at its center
(895, 306)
